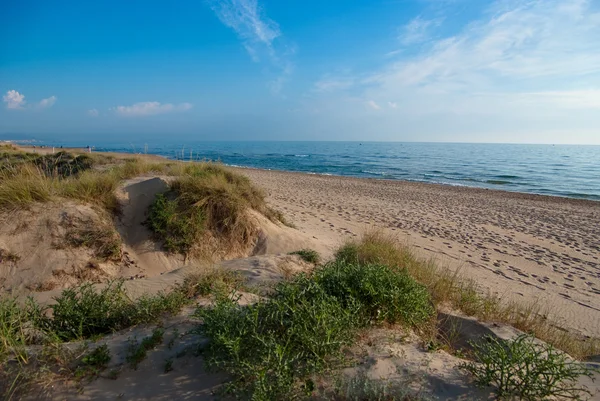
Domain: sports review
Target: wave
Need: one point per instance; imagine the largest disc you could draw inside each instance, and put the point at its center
(382, 173)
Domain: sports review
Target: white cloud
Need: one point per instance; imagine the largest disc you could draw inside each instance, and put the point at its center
(14, 100)
(372, 104)
(417, 30)
(246, 18)
(332, 84)
(150, 108)
(524, 70)
(49, 102)
(577, 99)
(258, 34)
(93, 113)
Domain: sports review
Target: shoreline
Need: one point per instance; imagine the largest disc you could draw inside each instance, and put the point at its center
(459, 187)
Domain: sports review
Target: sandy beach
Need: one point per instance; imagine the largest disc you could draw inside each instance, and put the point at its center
(526, 248)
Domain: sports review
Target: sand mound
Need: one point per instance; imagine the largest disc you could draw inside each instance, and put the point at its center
(135, 196)
(47, 247)
(54, 246)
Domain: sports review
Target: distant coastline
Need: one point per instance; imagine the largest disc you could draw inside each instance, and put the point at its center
(564, 171)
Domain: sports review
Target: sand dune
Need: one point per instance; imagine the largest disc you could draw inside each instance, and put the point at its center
(523, 247)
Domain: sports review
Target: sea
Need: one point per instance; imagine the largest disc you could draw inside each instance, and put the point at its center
(558, 170)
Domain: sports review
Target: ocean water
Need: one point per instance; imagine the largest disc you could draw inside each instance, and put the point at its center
(559, 170)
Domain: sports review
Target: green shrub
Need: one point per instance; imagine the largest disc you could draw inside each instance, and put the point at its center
(272, 346)
(20, 325)
(84, 311)
(521, 368)
(93, 362)
(179, 228)
(383, 294)
(269, 346)
(137, 352)
(308, 255)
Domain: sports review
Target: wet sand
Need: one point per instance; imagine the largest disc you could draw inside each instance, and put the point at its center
(527, 248)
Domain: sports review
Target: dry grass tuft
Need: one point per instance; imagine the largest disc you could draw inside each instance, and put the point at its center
(450, 288)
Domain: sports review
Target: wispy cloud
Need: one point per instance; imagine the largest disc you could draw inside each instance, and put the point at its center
(418, 30)
(332, 84)
(247, 19)
(373, 105)
(14, 100)
(258, 34)
(150, 108)
(93, 113)
(522, 66)
(49, 102)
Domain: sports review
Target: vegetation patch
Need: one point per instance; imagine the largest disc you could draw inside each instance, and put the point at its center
(137, 352)
(449, 288)
(102, 239)
(93, 363)
(272, 347)
(308, 255)
(527, 370)
(207, 211)
(84, 312)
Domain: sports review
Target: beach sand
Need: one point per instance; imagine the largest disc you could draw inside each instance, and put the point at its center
(525, 248)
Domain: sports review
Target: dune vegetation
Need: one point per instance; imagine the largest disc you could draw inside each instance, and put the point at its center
(289, 335)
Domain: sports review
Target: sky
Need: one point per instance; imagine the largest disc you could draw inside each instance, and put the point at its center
(517, 71)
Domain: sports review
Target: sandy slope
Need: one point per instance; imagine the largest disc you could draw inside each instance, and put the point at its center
(524, 247)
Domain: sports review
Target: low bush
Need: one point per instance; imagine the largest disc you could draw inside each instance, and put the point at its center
(137, 352)
(273, 346)
(527, 370)
(179, 228)
(449, 288)
(308, 255)
(20, 325)
(383, 294)
(84, 312)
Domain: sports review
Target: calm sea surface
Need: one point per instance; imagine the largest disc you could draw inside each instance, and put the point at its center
(560, 170)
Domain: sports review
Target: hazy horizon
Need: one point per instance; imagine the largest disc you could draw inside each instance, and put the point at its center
(449, 71)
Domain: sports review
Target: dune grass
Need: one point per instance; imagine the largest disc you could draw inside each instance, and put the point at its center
(272, 348)
(449, 288)
(308, 255)
(207, 209)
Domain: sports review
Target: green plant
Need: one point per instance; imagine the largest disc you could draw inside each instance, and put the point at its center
(137, 352)
(271, 346)
(308, 255)
(93, 362)
(210, 281)
(84, 311)
(383, 294)
(168, 365)
(179, 229)
(21, 324)
(526, 369)
(448, 287)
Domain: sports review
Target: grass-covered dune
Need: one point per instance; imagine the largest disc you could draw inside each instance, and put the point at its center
(75, 198)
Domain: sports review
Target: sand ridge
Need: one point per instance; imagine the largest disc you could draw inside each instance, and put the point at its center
(523, 247)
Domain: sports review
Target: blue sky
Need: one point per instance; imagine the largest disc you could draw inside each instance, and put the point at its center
(388, 70)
